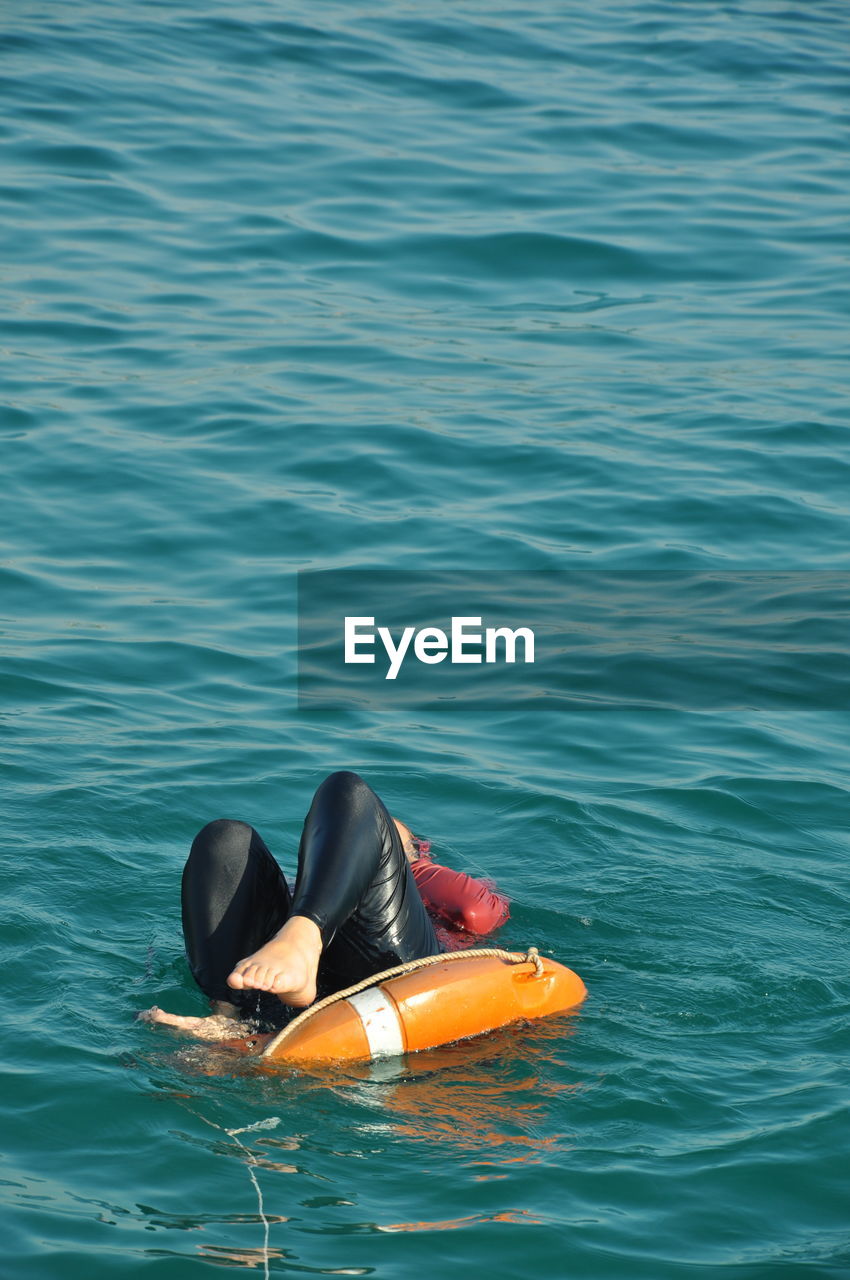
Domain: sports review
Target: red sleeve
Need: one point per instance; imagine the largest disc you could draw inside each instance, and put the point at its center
(453, 896)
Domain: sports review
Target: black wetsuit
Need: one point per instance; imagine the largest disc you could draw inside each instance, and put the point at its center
(353, 880)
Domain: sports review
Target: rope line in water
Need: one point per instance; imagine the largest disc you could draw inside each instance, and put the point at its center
(513, 957)
(271, 1123)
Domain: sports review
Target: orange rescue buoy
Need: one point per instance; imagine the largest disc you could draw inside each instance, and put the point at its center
(452, 998)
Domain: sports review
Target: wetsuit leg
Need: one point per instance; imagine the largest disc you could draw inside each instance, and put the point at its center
(355, 882)
(234, 898)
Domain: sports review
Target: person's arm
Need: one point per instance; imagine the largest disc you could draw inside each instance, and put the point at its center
(220, 1025)
(471, 905)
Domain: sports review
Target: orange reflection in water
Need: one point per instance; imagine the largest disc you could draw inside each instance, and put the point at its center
(489, 1097)
(522, 1216)
(251, 1259)
(248, 1258)
(486, 1097)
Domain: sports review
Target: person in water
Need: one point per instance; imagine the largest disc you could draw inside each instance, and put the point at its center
(367, 897)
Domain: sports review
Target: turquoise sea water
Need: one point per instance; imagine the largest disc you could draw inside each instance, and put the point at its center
(546, 287)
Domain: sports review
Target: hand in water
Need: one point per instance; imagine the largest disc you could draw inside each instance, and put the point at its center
(218, 1026)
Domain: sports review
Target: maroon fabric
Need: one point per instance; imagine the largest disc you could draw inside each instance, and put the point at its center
(467, 906)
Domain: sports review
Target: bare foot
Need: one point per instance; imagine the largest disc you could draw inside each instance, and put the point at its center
(215, 1027)
(286, 965)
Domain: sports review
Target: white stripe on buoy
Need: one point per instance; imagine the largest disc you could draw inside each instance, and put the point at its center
(380, 1022)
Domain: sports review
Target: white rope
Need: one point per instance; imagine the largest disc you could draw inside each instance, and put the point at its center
(271, 1123)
